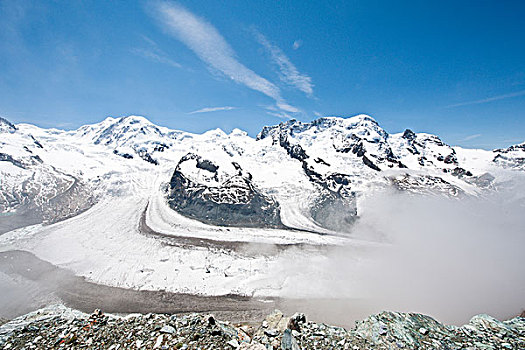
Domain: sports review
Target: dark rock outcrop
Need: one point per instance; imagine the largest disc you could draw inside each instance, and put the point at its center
(335, 208)
(4, 157)
(7, 126)
(509, 162)
(425, 184)
(409, 135)
(123, 155)
(235, 202)
(370, 164)
(147, 157)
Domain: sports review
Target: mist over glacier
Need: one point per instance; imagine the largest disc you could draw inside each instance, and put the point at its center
(449, 258)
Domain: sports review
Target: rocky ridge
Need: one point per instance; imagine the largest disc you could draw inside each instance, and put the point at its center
(221, 198)
(60, 327)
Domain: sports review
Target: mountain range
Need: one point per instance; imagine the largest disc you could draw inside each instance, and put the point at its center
(129, 204)
(295, 175)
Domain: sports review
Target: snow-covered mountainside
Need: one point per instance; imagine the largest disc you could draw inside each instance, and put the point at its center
(123, 201)
(365, 154)
(34, 190)
(296, 175)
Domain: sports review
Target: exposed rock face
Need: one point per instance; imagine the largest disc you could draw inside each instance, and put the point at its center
(47, 198)
(147, 157)
(460, 172)
(370, 164)
(508, 162)
(514, 148)
(335, 206)
(483, 181)
(197, 190)
(35, 191)
(430, 185)
(6, 126)
(409, 135)
(416, 331)
(7, 158)
(59, 327)
(512, 157)
(362, 147)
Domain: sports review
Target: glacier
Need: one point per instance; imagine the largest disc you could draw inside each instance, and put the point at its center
(127, 203)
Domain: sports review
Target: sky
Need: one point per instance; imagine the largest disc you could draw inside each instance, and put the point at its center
(452, 68)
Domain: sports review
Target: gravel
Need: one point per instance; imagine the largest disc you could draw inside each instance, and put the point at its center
(59, 327)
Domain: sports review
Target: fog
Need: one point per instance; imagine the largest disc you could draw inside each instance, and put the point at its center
(19, 296)
(449, 258)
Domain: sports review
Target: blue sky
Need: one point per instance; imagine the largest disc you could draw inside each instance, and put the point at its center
(453, 68)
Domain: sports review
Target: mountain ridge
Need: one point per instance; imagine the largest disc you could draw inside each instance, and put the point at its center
(236, 207)
(330, 161)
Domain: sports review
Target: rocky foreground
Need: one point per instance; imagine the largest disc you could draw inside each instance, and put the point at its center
(60, 327)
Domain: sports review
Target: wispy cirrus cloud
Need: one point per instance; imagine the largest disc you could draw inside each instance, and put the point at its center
(280, 114)
(288, 72)
(280, 111)
(213, 109)
(488, 99)
(210, 46)
(297, 44)
(156, 56)
(471, 137)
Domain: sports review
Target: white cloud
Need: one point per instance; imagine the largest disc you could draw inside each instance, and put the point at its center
(282, 115)
(287, 108)
(489, 99)
(471, 137)
(211, 47)
(297, 44)
(155, 56)
(288, 73)
(281, 110)
(213, 109)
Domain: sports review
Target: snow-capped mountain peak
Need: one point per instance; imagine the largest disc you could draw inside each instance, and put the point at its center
(119, 131)
(361, 125)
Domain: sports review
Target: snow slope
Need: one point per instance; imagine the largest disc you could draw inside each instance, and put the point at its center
(96, 200)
